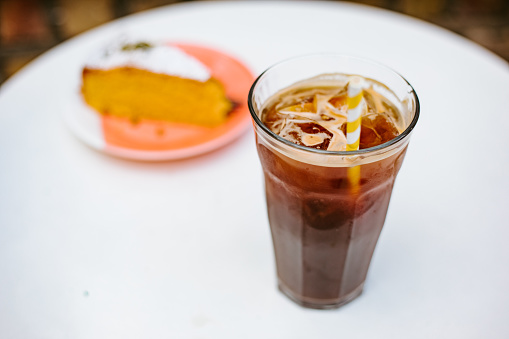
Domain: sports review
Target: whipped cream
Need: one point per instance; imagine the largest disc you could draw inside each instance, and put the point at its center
(156, 58)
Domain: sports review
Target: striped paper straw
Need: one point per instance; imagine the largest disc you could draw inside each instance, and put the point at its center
(355, 108)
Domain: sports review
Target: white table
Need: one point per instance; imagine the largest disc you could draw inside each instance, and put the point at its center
(97, 247)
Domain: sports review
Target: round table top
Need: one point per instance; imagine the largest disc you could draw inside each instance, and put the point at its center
(93, 246)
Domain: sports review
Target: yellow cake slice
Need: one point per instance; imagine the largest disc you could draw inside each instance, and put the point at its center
(157, 82)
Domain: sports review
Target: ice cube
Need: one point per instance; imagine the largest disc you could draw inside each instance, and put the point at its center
(376, 129)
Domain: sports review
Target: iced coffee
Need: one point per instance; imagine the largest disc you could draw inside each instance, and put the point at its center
(327, 206)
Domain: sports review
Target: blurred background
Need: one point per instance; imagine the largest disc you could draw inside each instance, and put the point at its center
(30, 27)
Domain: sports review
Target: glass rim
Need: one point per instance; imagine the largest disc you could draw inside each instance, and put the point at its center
(387, 144)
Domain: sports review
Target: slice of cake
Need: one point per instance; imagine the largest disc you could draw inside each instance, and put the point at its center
(157, 82)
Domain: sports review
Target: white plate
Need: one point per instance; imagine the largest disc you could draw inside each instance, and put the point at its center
(155, 141)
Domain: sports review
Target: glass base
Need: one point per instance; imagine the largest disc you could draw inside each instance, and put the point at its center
(320, 304)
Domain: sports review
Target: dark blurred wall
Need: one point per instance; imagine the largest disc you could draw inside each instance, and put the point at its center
(30, 27)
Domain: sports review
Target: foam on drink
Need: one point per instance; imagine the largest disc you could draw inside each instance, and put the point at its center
(313, 113)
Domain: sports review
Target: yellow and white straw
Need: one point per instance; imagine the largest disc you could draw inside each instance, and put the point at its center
(356, 107)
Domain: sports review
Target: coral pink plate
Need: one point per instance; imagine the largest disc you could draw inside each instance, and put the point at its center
(156, 140)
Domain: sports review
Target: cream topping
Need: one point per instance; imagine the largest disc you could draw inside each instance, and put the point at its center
(157, 58)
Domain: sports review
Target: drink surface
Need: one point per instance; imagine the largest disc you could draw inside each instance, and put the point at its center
(313, 113)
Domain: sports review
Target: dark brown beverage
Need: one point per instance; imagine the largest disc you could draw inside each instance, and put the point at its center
(326, 206)
(324, 233)
(324, 229)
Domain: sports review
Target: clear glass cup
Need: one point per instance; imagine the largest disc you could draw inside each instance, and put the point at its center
(324, 232)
